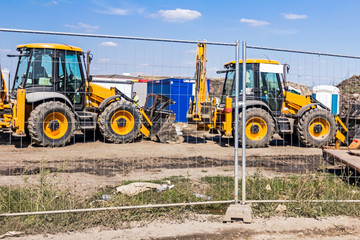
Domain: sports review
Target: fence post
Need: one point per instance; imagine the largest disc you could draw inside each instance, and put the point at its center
(236, 137)
(236, 210)
(243, 139)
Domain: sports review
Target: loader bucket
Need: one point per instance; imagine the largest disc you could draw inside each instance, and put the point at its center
(162, 120)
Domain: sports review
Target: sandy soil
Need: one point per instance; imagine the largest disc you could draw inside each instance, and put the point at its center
(96, 164)
(208, 227)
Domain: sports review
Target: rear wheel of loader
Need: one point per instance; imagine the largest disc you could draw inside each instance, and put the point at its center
(51, 124)
(260, 128)
(317, 128)
(120, 122)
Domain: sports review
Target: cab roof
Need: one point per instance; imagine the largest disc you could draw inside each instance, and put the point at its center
(253, 61)
(50, 46)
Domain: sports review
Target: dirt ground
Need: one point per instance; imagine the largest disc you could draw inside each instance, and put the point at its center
(86, 166)
(209, 227)
(96, 163)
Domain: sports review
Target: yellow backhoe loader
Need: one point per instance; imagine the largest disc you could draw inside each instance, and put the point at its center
(270, 107)
(52, 96)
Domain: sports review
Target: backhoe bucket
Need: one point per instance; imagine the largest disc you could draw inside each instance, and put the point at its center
(162, 120)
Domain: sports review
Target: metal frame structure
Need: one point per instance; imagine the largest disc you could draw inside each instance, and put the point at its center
(245, 47)
(236, 45)
(238, 104)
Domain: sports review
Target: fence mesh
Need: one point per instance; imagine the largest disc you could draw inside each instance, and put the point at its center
(91, 171)
(294, 167)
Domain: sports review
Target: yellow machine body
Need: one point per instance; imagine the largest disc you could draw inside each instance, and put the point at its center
(5, 106)
(86, 106)
(293, 105)
(96, 94)
(196, 113)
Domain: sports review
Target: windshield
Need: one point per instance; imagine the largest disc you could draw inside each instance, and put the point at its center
(21, 70)
(40, 69)
(229, 86)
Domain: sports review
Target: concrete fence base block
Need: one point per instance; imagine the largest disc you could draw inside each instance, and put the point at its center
(236, 212)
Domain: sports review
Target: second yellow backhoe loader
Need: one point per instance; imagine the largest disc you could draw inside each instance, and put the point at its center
(52, 96)
(270, 107)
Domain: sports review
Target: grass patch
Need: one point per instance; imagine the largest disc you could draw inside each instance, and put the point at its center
(44, 196)
(300, 188)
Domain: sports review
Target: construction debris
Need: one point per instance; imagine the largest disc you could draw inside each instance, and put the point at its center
(139, 187)
(349, 92)
(136, 188)
(11, 234)
(280, 208)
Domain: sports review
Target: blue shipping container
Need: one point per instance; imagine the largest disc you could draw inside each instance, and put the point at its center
(179, 90)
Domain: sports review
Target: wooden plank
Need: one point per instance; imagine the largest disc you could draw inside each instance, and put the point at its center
(345, 157)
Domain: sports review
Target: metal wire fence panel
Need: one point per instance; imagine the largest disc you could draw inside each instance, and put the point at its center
(310, 116)
(74, 136)
(57, 161)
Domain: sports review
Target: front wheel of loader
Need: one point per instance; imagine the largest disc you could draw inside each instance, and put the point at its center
(51, 124)
(317, 128)
(120, 122)
(260, 128)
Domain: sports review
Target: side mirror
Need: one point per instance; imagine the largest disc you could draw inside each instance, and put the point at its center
(287, 68)
(88, 61)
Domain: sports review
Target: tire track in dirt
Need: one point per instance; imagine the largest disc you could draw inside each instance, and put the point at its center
(112, 166)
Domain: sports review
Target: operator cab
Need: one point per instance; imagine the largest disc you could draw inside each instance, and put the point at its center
(51, 68)
(263, 83)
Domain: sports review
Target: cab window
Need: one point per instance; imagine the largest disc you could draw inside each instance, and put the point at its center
(70, 77)
(249, 80)
(228, 85)
(40, 68)
(270, 90)
(20, 76)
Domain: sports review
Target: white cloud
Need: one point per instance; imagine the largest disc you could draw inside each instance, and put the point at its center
(291, 16)
(50, 3)
(178, 15)
(80, 25)
(254, 22)
(113, 11)
(108, 44)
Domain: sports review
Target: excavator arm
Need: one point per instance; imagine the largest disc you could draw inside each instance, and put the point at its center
(201, 91)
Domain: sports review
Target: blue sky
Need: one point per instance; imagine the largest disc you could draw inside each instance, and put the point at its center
(325, 26)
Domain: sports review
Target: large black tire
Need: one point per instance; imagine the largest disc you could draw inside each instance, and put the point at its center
(316, 128)
(120, 122)
(51, 124)
(260, 128)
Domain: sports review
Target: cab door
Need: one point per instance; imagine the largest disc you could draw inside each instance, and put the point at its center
(71, 78)
(270, 87)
